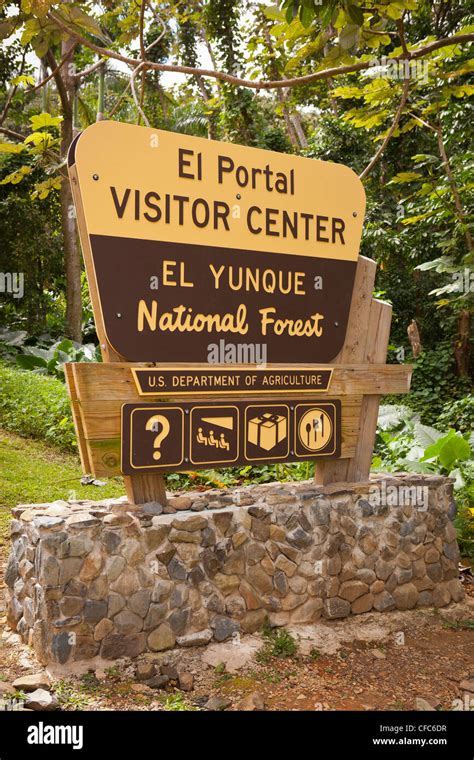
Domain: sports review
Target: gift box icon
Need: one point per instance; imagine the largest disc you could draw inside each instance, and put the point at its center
(267, 430)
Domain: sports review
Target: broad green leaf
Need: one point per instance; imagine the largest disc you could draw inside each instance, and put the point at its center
(11, 147)
(456, 449)
(356, 14)
(23, 79)
(425, 435)
(44, 120)
(403, 177)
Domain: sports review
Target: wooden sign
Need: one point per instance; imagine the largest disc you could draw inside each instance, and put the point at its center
(225, 283)
(191, 243)
(167, 437)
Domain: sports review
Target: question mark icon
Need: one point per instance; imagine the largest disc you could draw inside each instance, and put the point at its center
(153, 424)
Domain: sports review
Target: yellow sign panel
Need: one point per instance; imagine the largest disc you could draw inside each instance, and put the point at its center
(153, 185)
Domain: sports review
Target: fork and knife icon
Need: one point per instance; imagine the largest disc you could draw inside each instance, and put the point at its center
(313, 428)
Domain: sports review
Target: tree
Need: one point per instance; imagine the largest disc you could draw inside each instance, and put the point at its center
(306, 52)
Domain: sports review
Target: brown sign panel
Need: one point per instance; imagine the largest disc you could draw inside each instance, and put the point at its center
(194, 242)
(153, 381)
(186, 436)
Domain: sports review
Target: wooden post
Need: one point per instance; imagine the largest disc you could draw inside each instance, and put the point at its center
(366, 343)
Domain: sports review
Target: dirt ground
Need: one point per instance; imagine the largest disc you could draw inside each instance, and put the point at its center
(370, 662)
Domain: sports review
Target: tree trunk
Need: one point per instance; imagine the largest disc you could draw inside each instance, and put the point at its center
(414, 338)
(72, 255)
(462, 343)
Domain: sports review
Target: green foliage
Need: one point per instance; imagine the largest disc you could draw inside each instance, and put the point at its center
(278, 642)
(435, 384)
(458, 414)
(36, 406)
(177, 703)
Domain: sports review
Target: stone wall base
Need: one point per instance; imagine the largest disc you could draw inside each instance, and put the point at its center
(113, 579)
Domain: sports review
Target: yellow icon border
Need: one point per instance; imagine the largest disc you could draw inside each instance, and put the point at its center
(158, 409)
(136, 371)
(268, 456)
(308, 453)
(213, 408)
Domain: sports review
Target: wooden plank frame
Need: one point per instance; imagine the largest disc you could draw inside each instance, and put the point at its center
(366, 343)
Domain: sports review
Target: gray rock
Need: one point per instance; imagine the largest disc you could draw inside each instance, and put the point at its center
(127, 622)
(145, 671)
(197, 639)
(176, 570)
(94, 610)
(451, 551)
(280, 582)
(435, 572)
(218, 703)
(224, 627)
(208, 537)
(170, 671)
(156, 615)
(69, 568)
(111, 541)
(11, 573)
(366, 509)
(152, 508)
(116, 602)
(32, 682)
(41, 700)
(299, 538)
(336, 608)
(49, 572)
(196, 575)
(383, 601)
(61, 647)
(185, 681)
(405, 596)
(161, 638)
(114, 566)
(139, 602)
(252, 702)
(157, 682)
(178, 621)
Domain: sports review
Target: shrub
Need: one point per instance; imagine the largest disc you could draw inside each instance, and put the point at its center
(36, 406)
(458, 414)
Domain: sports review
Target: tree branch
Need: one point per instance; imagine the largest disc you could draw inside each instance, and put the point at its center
(258, 84)
(13, 135)
(66, 105)
(90, 70)
(51, 75)
(388, 136)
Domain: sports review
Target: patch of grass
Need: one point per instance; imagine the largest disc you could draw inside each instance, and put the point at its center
(278, 643)
(315, 654)
(68, 697)
(33, 472)
(460, 625)
(36, 406)
(219, 669)
(240, 683)
(113, 672)
(177, 703)
(89, 682)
